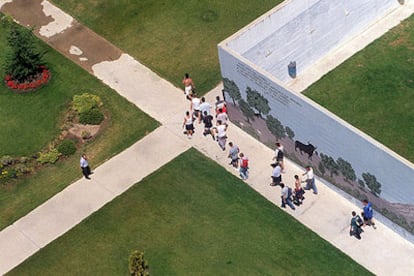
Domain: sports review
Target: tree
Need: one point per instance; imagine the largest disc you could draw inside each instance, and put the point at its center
(246, 110)
(321, 168)
(372, 183)
(232, 89)
(289, 133)
(257, 101)
(329, 163)
(346, 169)
(361, 183)
(275, 127)
(137, 265)
(23, 60)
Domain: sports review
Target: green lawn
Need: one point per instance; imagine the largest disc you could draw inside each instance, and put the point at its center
(198, 221)
(374, 90)
(30, 121)
(170, 37)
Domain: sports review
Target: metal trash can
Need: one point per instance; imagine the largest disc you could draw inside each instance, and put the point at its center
(292, 69)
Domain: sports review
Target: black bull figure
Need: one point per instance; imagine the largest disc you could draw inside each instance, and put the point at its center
(308, 149)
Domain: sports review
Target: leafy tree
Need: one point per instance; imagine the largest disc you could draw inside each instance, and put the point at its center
(275, 127)
(330, 164)
(372, 183)
(346, 169)
(361, 183)
(289, 133)
(23, 59)
(137, 265)
(257, 101)
(246, 110)
(321, 168)
(232, 89)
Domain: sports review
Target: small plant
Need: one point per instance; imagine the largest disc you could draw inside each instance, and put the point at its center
(137, 265)
(86, 102)
(86, 135)
(23, 169)
(48, 157)
(67, 147)
(92, 117)
(6, 160)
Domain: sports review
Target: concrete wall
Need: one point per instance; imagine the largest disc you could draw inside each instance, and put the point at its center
(304, 31)
(332, 136)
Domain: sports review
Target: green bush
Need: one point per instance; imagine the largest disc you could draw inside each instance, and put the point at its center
(86, 102)
(92, 117)
(137, 265)
(67, 147)
(48, 157)
(6, 160)
(23, 169)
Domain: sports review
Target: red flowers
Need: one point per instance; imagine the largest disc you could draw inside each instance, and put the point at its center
(36, 82)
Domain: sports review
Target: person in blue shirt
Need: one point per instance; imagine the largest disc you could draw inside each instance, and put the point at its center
(368, 213)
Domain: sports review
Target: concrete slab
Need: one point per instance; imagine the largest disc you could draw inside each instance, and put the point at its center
(132, 165)
(141, 86)
(15, 248)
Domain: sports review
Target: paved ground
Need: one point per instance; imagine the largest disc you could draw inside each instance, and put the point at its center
(381, 251)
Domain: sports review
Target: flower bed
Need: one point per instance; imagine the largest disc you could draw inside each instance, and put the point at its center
(32, 83)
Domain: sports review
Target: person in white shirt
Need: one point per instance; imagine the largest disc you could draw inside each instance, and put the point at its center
(310, 180)
(84, 164)
(220, 133)
(276, 174)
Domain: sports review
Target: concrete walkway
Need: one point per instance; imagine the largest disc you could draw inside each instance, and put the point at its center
(381, 251)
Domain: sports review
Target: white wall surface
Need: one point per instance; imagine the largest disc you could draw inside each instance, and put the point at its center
(304, 31)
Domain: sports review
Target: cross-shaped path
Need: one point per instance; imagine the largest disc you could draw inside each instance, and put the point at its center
(382, 251)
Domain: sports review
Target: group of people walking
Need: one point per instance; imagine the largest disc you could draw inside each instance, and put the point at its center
(200, 112)
(289, 196)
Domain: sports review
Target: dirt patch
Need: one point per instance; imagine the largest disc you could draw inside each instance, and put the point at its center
(78, 130)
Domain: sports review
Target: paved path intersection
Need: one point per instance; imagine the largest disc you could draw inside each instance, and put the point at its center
(382, 251)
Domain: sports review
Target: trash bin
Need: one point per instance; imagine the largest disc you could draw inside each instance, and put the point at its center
(292, 69)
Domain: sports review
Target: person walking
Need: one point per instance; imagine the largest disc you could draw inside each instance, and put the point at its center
(355, 227)
(244, 166)
(195, 107)
(188, 86)
(220, 133)
(234, 155)
(298, 192)
(310, 180)
(188, 124)
(279, 155)
(368, 213)
(208, 124)
(286, 196)
(276, 174)
(84, 164)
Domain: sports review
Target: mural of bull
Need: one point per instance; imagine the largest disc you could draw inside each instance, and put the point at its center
(309, 148)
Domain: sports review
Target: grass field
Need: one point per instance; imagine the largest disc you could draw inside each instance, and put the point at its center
(374, 90)
(170, 37)
(202, 221)
(30, 121)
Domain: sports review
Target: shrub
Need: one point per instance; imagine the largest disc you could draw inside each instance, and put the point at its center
(48, 157)
(24, 159)
(6, 160)
(92, 117)
(86, 102)
(23, 169)
(67, 147)
(137, 265)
